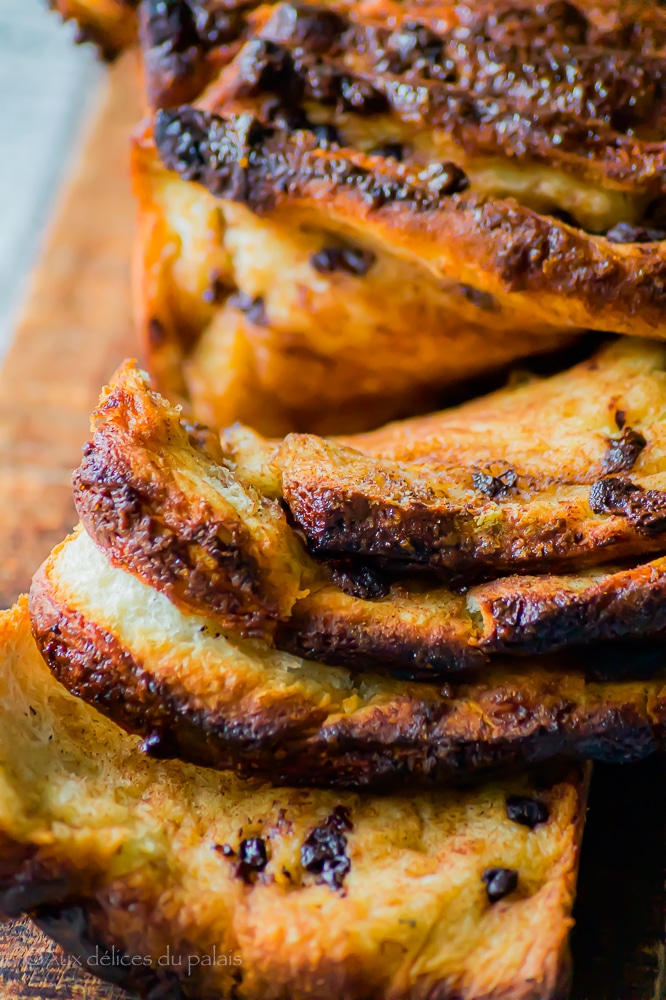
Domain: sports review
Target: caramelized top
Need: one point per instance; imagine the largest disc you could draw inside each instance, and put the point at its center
(539, 81)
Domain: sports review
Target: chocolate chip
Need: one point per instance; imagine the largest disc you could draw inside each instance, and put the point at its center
(499, 882)
(644, 509)
(324, 851)
(390, 149)
(623, 451)
(226, 850)
(156, 333)
(327, 135)
(620, 418)
(171, 25)
(253, 858)
(361, 97)
(254, 309)
(419, 49)
(526, 811)
(253, 853)
(267, 67)
(158, 746)
(181, 137)
(363, 582)
(305, 27)
(625, 232)
(217, 291)
(482, 300)
(215, 25)
(494, 486)
(610, 496)
(351, 260)
(290, 119)
(444, 178)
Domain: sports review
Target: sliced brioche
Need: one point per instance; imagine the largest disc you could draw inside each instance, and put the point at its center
(196, 692)
(204, 525)
(273, 894)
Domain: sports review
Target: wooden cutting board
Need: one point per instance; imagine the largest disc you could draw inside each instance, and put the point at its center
(75, 330)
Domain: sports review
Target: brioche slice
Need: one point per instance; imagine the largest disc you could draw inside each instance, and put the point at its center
(179, 882)
(110, 24)
(201, 694)
(485, 86)
(417, 630)
(426, 214)
(416, 195)
(163, 501)
(562, 472)
(240, 325)
(166, 505)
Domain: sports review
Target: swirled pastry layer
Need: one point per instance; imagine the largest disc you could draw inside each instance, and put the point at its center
(403, 204)
(469, 492)
(208, 696)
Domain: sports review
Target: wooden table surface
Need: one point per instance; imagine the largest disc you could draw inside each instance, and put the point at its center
(75, 329)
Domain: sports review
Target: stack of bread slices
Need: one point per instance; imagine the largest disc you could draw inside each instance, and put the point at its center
(303, 708)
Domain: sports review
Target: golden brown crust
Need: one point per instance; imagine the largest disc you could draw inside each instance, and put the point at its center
(212, 699)
(108, 848)
(509, 249)
(169, 510)
(438, 168)
(110, 24)
(329, 352)
(509, 483)
(420, 630)
(501, 85)
(142, 486)
(345, 502)
(544, 614)
(412, 631)
(185, 43)
(618, 46)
